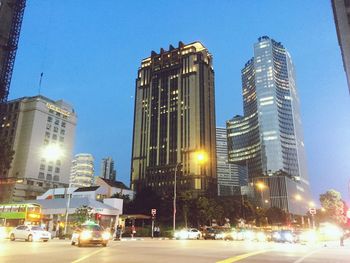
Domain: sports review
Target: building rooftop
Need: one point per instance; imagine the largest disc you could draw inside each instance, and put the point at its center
(87, 189)
(116, 184)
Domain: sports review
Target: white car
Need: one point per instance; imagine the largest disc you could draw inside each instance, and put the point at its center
(30, 233)
(191, 233)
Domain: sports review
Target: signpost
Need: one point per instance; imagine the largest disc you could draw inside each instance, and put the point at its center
(153, 213)
(312, 212)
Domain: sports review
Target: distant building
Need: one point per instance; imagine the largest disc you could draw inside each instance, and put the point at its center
(268, 139)
(41, 132)
(82, 171)
(341, 11)
(107, 169)
(174, 118)
(230, 176)
(114, 187)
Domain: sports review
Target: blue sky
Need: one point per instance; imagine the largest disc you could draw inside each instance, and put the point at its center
(90, 50)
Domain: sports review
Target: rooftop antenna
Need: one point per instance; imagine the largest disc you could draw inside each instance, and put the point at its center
(41, 77)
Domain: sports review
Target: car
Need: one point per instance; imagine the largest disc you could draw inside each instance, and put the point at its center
(30, 233)
(90, 234)
(283, 236)
(191, 233)
(211, 233)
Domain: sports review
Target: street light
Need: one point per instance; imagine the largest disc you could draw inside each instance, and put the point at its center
(261, 186)
(298, 197)
(174, 201)
(201, 157)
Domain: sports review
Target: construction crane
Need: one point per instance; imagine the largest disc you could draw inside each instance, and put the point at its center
(11, 16)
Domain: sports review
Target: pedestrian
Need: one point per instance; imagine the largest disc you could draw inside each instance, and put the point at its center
(133, 231)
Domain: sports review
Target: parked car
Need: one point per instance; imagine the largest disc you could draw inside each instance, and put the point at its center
(90, 234)
(30, 233)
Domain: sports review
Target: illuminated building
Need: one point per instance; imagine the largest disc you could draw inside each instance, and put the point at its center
(41, 133)
(341, 11)
(82, 171)
(174, 118)
(268, 139)
(229, 176)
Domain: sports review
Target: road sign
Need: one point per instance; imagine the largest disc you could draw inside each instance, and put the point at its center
(153, 211)
(312, 211)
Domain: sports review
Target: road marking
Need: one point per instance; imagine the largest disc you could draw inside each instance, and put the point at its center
(306, 256)
(243, 256)
(91, 254)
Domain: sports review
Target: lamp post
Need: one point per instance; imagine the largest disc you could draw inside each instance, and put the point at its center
(261, 186)
(67, 208)
(174, 201)
(201, 158)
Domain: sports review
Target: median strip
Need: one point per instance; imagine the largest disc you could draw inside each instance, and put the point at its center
(243, 256)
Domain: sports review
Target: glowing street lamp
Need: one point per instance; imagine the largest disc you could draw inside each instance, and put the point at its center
(201, 158)
(311, 204)
(298, 197)
(52, 152)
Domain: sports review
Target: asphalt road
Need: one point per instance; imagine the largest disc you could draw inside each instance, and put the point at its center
(169, 251)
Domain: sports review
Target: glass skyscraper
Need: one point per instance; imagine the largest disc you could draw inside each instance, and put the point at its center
(268, 139)
(230, 176)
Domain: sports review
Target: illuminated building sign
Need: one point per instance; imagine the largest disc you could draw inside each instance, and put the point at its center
(57, 109)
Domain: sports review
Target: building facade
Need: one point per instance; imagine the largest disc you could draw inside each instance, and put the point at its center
(82, 171)
(341, 11)
(268, 139)
(174, 118)
(41, 133)
(230, 177)
(107, 169)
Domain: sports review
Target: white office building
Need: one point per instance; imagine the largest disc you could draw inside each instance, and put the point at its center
(41, 132)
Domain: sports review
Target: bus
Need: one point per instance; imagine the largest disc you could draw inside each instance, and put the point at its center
(12, 215)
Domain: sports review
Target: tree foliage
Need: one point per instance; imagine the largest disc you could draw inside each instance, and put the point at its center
(6, 155)
(82, 214)
(276, 215)
(334, 206)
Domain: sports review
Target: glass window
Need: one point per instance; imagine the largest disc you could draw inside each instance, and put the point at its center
(49, 119)
(63, 124)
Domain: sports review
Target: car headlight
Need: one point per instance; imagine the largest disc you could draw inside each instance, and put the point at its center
(277, 236)
(261, 236)
(106, 235)
(85, 235)
(3, 233)
(288, 237)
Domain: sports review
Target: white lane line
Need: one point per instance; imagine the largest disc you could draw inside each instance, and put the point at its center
(306, 256)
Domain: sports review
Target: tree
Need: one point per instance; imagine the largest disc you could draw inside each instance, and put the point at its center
(82, 214)
(276, 215)
(334, 206)
(6, 155)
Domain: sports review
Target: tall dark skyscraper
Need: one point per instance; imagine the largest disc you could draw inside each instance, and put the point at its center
(268, 139)
(11, 15)
(174, 120)
(341, 11)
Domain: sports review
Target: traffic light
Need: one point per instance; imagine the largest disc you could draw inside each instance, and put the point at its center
(98, 216)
